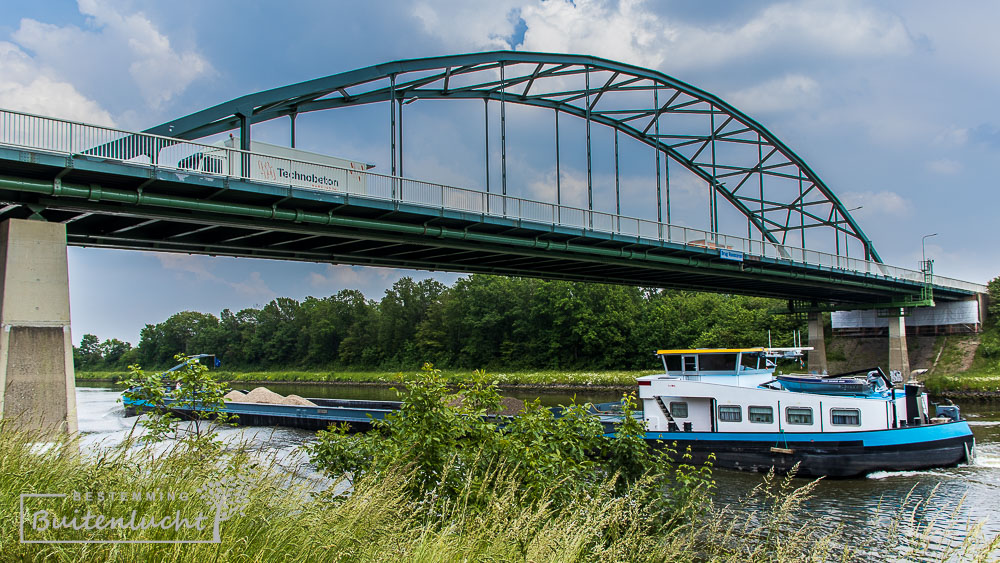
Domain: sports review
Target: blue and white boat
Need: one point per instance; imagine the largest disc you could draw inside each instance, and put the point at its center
(728, 402)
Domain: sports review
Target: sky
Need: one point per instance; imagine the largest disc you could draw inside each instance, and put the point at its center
(888, 101)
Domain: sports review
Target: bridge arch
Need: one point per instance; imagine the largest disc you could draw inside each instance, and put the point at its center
(737, 157)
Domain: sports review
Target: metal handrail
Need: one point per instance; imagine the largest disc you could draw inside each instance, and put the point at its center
(75, 138)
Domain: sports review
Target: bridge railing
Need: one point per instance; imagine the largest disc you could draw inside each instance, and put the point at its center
(94, 141)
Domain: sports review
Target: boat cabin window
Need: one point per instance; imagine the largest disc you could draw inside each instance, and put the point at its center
(845, 417)
(679, 409)
(799, 415)
(673, 363)
(690, 363)
(730, 413)
(761, 414)
(749, 361)
(717, 362)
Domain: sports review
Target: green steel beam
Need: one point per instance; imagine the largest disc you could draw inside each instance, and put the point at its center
(313, 95)
(88, 196)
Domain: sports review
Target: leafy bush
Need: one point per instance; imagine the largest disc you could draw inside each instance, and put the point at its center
(195, 390)
(993, 289)
(456, 446)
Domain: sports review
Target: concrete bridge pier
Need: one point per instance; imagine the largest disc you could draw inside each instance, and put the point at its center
(37, 387)
(899, 358)
(817, 356)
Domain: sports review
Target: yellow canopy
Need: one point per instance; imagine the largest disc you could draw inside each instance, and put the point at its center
(708, 351)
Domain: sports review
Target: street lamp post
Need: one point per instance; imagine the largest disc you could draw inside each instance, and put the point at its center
(923, 248)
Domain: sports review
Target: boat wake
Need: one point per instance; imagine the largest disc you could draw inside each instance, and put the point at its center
(877, 475)
(989, 460)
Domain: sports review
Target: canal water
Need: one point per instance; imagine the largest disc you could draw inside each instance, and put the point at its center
(942, 503)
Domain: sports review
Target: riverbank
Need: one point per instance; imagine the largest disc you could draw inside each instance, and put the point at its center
(284, 518)
(623, 380)
(972, 385)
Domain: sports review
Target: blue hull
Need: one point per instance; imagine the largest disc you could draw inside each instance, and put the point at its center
(840, 454)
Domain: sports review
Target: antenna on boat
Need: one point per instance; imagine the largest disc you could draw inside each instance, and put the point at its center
(769, 338)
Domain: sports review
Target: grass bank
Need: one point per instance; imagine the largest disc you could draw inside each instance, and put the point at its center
(546, 378)
(982, 383)
(269, 514)
(967, 367)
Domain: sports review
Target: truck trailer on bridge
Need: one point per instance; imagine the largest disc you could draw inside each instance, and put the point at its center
(282, 165)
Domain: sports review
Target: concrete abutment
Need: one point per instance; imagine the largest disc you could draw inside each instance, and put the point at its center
(817, 356)
(37, 387)
(899, 358)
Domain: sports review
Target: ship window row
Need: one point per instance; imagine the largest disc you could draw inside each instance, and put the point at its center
(734, 413)
(793, 415)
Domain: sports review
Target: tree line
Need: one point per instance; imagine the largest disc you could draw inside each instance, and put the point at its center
(479, 321)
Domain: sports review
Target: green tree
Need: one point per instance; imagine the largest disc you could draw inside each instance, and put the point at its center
(401, 311)
(113, 351)
(993, 290)
(88, 354)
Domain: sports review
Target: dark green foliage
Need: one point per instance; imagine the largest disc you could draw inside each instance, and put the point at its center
(989, 344)
(480, 321)
(454, 446)
(94, 355)
(993, 288)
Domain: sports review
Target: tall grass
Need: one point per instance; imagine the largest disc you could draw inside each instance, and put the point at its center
(284, 519)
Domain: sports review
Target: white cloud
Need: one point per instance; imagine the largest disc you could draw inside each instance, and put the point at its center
(629, 30)
(877, 205)
(339, 276)
(158, 70)
(198, 267)
(23, 87)
(116, 51)
(953, 137)
(572, 187)
(626, 31)
(945, 166)
(461, 25)
(783, 94)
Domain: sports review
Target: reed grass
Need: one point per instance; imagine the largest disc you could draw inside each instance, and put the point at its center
(285, 518)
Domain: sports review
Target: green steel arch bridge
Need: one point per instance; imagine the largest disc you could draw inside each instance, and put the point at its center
(168, 189)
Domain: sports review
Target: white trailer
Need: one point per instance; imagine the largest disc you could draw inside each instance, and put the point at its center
(282, 165)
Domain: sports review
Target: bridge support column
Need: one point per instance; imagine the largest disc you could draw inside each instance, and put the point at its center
(37, 387)
(899, 358)
(817, 356)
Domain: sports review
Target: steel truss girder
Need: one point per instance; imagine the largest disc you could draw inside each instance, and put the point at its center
(331, 92)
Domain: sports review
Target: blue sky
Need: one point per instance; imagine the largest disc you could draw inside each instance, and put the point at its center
(889, 101)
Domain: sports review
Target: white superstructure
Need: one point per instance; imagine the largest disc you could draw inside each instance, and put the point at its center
(723, 390)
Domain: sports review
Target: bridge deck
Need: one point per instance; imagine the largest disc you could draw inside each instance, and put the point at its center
(118, 189)
(111, 204)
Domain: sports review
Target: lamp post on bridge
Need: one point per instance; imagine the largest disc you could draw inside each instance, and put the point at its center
(923, 248)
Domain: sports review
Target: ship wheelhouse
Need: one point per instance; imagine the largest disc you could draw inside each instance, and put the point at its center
(734, 390)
